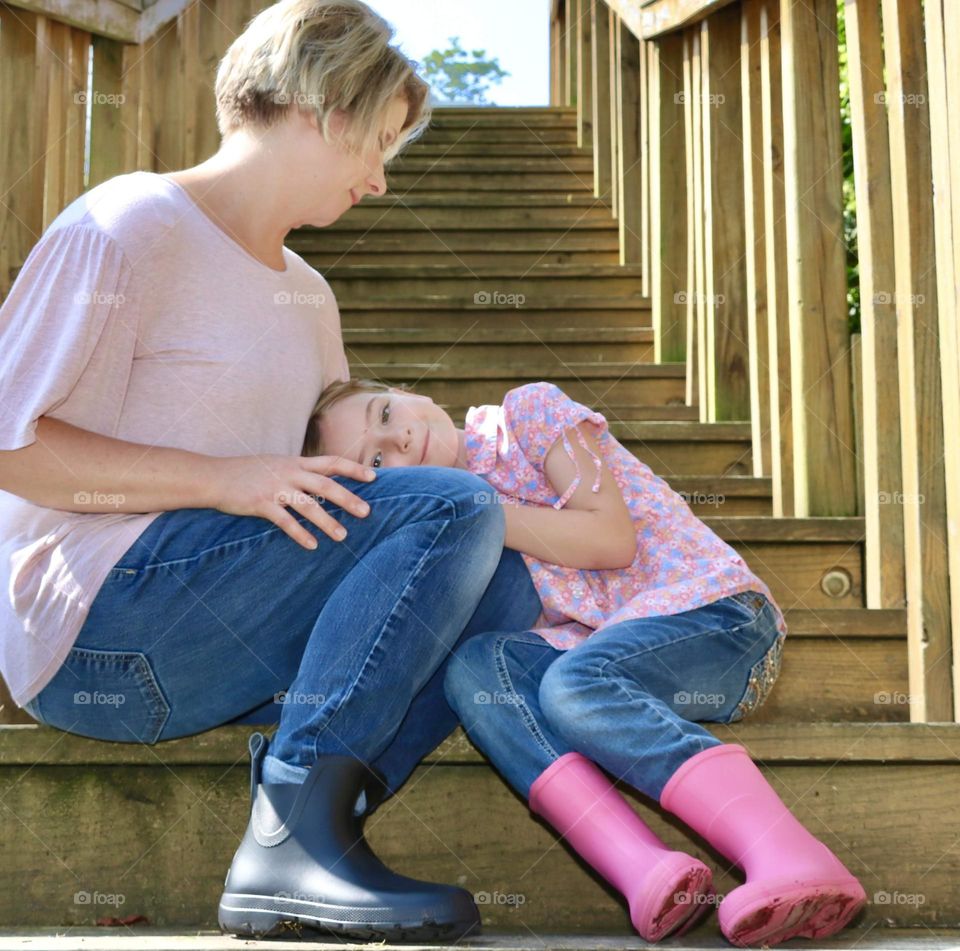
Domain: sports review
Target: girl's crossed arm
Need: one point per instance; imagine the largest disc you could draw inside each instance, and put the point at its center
(594, 530)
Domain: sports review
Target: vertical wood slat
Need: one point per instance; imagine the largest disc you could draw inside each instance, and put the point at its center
(613, 33)
(584, 74)
(21, 144)
(556, 77)
(942, 31)
(600, 74)
(570, 53)
(754, 250)
(726, 356)
(824, 455)
(615, 112)
(690, 186)
(646, 101)
(775, 254)
(882, 476)
(110, 111)
(929, 645)
(668, 194)
(629, 171)
(698, 284)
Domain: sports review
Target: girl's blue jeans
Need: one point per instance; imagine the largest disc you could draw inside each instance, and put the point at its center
(211, 618)
(626, 698)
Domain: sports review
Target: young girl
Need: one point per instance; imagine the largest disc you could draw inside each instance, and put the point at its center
(650, 622)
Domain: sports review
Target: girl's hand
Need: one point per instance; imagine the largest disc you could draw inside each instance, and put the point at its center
(265, 485)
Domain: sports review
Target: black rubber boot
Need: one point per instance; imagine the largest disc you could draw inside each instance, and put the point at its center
(304, 864)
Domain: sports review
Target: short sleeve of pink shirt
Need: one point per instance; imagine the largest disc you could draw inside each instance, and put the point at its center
(136, 317)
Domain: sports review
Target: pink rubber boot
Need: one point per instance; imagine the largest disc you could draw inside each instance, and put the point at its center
(796, 887)
(664, 889)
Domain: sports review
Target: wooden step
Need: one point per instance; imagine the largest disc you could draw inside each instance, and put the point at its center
(475, 133)
(688, 448)
(483, 285)
(426, 149)
(609, 387)
(539, 317)
(478, 344)
(558, 183)
(722, 495)
(520, 250)
(448, 117)
(158, 826)
(579, 164)
(477, 212)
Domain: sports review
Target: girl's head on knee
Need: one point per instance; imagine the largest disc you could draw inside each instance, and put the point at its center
(381, 426)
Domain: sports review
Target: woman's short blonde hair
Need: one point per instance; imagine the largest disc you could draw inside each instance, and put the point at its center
(332, 394)
(319, 55)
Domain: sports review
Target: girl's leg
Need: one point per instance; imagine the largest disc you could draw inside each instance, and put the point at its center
(627, 697)
(493, 682)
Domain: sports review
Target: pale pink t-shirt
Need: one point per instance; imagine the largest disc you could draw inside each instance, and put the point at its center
(138, 318)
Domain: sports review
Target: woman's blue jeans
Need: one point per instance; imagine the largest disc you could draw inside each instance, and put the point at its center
(626, 698)
(211, 618)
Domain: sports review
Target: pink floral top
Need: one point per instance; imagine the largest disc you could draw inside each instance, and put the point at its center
(680, 564)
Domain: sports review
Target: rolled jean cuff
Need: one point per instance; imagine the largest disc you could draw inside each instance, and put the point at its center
(275, 770)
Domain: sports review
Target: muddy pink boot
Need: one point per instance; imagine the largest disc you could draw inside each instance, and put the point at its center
(796, 887)
(664, 889)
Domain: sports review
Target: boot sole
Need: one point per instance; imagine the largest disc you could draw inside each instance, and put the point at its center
(677, 893)
(260, 917)
(804, 912)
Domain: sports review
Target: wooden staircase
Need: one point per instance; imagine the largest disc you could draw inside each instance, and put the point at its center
(489, 264)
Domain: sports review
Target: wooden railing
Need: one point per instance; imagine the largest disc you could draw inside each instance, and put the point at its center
(723, 120)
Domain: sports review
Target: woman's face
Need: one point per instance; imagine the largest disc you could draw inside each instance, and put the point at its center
(389, 429)
(335, 177)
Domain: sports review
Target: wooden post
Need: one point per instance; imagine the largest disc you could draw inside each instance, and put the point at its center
(556, 77)
(884, 578)
(668, 201)
(697, 364)
(754, 244)
(929, 641)
(726, 356)
(629, 152)
(615, 111)
(570, 52)
(584, 74)
(942, 31)
(824, 455)
(775, 254)
(600, 40)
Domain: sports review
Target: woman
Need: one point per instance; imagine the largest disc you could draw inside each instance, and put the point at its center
(172, 562)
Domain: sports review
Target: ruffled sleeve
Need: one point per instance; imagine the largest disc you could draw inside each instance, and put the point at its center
(538, 414)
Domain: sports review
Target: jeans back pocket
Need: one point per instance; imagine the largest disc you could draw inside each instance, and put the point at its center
(106, 695)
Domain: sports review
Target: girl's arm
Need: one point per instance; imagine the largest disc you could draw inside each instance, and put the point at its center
(594, 530)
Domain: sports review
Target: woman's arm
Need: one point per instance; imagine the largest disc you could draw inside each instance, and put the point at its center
(594, 530)
(76, 470)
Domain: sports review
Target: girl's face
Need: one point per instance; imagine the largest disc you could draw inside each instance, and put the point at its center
(389, 429)
(335, 177)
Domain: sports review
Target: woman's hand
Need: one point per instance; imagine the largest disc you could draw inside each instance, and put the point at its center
(265, 485)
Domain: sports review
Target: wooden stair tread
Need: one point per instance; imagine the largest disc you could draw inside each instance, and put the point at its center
(470, 200)
(617, 371)
(458, 271)
(541, 303)
(478, 333)
(678, 430)
(33, 745)
(769, 529)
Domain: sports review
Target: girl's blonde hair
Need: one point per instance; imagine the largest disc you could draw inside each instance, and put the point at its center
(332, 394)
(319, 55)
